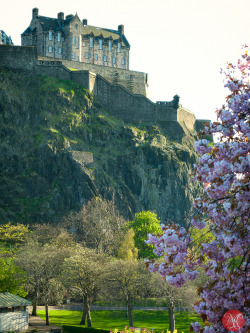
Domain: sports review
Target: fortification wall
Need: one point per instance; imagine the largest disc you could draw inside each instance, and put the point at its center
(186, 117)
(18, 57)
(135, 82)
(116, 98)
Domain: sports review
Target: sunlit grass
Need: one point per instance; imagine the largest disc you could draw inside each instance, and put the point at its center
(117, 319)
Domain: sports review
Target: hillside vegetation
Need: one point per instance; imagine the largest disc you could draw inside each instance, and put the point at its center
(59, 148)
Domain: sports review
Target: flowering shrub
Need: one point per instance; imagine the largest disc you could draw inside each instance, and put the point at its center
(224, 170)
(134, 330)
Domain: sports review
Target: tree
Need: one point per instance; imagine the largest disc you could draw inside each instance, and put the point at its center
(81, 275)
(11, 277)
(42, 265)
(145, 223)
(127, 249)
(98, 225)
(127, 281)
(224, 169)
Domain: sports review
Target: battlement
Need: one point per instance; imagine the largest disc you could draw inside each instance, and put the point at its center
(124, 97)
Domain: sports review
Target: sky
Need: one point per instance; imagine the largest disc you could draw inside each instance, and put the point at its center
(181, 44)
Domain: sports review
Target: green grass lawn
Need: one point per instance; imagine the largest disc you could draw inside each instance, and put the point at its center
(116, 319)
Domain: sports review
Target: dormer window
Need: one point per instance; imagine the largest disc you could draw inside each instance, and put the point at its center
(119, 47)
(100, 44)
(50, 35)
(91, 42)
(58, 37)
(110, 45)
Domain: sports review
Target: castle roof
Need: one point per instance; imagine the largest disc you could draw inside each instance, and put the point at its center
(105, 33)
(49, 23)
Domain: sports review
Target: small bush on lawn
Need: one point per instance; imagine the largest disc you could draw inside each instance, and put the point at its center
(74, 329)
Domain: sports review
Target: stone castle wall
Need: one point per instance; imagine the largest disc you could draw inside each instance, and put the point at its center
(135, 82)
(116, 98)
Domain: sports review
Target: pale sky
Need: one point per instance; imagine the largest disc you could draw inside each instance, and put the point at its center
(181, 44)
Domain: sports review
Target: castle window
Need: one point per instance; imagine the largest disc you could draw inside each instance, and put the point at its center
(110, 45)
(77, 42)
(77, 58)
(113, 60)
(74, 40)
(59, 50)
(96, 57)
(119, 47)
(50, 35)
(100, 43)
(76, 26)
(123, 61)
(104, 58)
(58, 37)
(74, 55)
(86, 55)
(50, 49)
(91, 42)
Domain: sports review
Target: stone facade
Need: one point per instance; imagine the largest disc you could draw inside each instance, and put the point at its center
(72, 39)
(4, 39)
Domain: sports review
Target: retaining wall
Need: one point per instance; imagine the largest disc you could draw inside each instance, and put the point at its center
(116, 98)
(135, 82)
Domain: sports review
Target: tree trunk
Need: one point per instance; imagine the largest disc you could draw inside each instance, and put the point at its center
(86, 313)
(130, 315)
(34, 313)
(171, 317)
(89, 322)
(47, 313)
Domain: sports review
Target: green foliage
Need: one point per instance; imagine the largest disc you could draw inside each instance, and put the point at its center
(13, 235)
(11, 277)
(127, 249)
(200, 236)
(145, 223)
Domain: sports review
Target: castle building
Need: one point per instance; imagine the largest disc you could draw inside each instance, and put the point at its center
(70, 38)
(4, 39)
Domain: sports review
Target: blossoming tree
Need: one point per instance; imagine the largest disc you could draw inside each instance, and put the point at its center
(224, 170)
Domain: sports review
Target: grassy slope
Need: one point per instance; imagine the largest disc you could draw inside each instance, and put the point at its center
(117, 319)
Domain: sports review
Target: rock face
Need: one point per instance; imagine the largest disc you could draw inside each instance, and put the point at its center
(59, 148)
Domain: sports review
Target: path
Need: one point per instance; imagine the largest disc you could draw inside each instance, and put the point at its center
(40, 324)
(79, 307)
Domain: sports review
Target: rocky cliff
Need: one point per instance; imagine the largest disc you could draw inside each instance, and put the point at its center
(59, 148)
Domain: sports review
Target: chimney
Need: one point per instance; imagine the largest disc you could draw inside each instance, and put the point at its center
(60, 17)
(84, 22)
(34, 13)
(121, 29)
